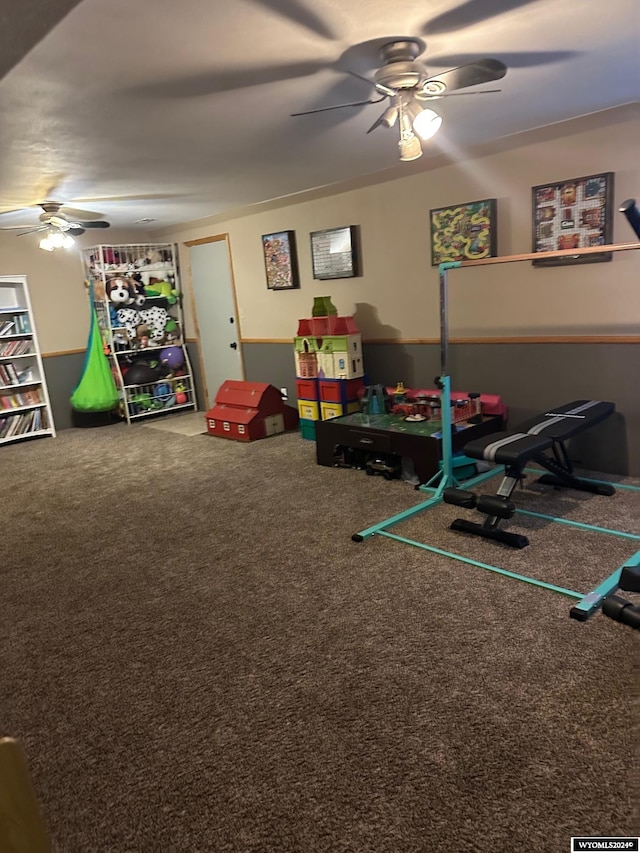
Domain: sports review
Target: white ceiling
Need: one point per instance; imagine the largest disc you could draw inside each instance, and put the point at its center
(181, 110)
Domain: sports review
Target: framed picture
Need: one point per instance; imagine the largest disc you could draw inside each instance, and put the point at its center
(573, 214)
(281, 260)
(335, 253)
(464, 232)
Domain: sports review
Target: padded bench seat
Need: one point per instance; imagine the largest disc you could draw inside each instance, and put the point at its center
(564, 422)
(507, 448)
(539, 433)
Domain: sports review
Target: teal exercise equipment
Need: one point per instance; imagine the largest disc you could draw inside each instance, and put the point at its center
(445, 483)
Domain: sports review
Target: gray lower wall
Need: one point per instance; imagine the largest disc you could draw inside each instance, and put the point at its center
(529, 377)
(63, 373)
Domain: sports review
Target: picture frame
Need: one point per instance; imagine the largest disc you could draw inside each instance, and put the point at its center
(573, 214)
(281, 260)
(335, 253)
(464, 232)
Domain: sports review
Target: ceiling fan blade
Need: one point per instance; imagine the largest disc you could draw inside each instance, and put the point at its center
(517, 59)
(469, 13)
(422, 96)
(33, 230)
(82, 214)
(379, 86)
(339, 107)
(294, 11)
(378, 122)
(75, 232)
(93, 223)
(228, 80)
(73, 213)
(13, 227)
(473, 74)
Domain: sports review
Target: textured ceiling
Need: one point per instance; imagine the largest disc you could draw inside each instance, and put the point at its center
(178, 111)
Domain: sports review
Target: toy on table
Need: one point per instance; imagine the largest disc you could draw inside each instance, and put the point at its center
(376, 400)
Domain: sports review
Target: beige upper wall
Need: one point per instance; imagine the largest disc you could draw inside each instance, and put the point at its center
(398, 294)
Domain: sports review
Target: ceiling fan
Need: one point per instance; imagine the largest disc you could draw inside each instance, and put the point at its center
(409, 86)
(58, 218)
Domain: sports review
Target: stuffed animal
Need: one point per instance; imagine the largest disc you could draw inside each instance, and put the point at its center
(162, 288)
(121, 291)
(140, 297)
(155, 319)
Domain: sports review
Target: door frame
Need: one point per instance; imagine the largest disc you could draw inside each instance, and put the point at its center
(217, 238)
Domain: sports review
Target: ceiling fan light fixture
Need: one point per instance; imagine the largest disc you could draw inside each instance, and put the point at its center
(56, 239)
(410, 148)
(427, 123)
(390, 116)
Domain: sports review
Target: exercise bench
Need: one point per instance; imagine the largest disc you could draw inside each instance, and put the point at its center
(540, 439)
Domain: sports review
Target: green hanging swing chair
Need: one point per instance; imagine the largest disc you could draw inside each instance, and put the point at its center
(96, 391)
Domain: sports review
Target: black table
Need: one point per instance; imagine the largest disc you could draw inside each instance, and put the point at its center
(421, 441)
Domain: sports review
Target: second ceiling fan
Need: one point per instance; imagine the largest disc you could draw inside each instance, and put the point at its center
(56, 216)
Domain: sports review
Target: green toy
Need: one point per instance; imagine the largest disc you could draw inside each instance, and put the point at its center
(96, 391)
(162, 288)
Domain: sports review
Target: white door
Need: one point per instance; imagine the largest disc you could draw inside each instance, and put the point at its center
(216, 315)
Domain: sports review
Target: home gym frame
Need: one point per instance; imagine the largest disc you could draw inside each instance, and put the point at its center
(585, 603)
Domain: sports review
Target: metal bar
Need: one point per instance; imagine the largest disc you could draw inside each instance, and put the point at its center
(578, 524)
(560, 253)
(395, 519)
(468, 484)
(444, 321)
(571, 593)
(594, 599)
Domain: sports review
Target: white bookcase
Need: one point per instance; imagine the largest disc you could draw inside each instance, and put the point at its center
(25, 409)
(138, 302)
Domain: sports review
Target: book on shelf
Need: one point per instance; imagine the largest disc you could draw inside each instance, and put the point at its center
(26, 376)
(23, 326)
(6, 327)
(15, 400)
(22, 424)
(16, 347)
(8, 374)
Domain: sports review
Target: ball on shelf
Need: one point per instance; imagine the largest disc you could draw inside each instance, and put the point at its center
(172, 357)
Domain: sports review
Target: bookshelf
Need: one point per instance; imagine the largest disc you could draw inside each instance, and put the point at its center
(25, 408)
(138, 302)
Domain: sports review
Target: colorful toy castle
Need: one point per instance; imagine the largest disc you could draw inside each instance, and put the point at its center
(329, 366)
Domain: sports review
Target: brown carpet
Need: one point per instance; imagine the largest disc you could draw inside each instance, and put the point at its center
(198, 659)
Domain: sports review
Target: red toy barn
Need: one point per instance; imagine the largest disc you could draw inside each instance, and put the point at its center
(245, 411)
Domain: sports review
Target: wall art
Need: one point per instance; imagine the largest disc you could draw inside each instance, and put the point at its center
(573, 214)
(464, 232)
(281, 260)
(335, 253)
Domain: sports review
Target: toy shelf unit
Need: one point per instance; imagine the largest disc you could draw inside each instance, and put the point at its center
(138, 302)
(329, 366)
(25, 409)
